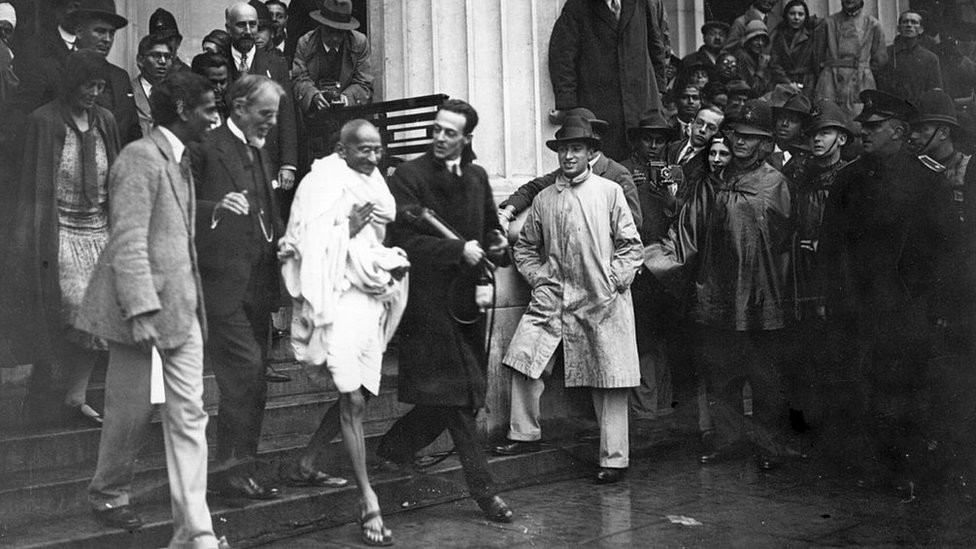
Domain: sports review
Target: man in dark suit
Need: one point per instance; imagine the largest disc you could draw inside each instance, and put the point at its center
(713, 36)
(145, 295)
(237, 231)
(154, 59)
(94, 24)
(692, 153)
(241, 21)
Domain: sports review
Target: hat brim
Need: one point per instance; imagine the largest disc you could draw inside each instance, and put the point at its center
(553, 144)
(936, 119)
(668, 131)
(114, 19)
(805, 116)
(746, 129)
(817, 126)
(872, 117)
(754, 34)
(317, 16)
(715, 25)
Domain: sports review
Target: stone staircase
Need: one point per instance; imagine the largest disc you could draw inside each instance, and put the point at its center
(44, 473)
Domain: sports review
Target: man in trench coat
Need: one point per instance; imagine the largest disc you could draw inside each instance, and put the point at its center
(579, 250)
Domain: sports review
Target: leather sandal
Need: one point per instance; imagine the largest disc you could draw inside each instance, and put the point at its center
(375, 537)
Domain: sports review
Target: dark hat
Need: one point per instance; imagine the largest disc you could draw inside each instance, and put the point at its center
(880, 106)
(336, 14)
(219, 37)
(96, 9)
(827, 114)
(655, 123)
(574, 129)
(675, 61)
(755, 118)
(797, 105)
(936, 106)
(264, 14)
(162, 22)
(709, 25)
(738, 86)
(600, 127)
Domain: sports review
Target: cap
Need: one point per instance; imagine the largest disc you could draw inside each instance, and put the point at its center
(574, 129)
(755, 118)
(709, 25)
(880, 106)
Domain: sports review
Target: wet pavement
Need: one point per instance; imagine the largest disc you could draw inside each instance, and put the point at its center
(669, 500)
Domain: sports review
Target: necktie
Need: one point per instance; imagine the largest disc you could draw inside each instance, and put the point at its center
(615, 8)
(456, 168)
(185, 170)
(686, 156)
(242, 68)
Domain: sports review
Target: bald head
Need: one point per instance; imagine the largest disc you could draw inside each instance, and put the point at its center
(360, 146)
(241, 21)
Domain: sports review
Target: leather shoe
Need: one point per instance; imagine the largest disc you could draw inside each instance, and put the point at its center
(118, 517)
(495, 509)
(517, 448)
(243, 487)
(607, 475)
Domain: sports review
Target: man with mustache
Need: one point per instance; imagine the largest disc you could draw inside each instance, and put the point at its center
(238, 225)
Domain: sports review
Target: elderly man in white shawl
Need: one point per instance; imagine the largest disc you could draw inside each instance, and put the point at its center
(349, 292)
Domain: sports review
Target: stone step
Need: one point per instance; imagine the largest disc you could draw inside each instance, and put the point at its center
(302, 510)
(294, 407)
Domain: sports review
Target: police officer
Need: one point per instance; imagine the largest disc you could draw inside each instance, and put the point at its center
(880, 239)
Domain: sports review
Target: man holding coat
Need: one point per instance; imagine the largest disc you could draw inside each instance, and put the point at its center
(579, 251)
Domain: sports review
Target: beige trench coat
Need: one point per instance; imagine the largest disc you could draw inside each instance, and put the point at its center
(579, 250)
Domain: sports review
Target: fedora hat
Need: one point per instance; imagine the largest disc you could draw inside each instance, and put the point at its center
(574, 129)
(755, 118)
(96, 9)
(600, 127)
(654, 123)
(797, 105)
(336, 14)
(936, 107)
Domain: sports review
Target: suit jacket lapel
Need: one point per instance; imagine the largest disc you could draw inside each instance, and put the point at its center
(142, 102)
(627, 9)
(602, 10)
(230, 158)
(181, 189)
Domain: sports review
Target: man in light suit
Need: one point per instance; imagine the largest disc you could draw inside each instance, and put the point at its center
(237, 231)
(241, 21)
(155, 58)
(145, 293)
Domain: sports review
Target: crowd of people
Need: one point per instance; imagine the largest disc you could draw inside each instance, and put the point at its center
(778, 224)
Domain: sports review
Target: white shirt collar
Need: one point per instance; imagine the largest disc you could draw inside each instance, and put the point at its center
(67, 37)
(452, 163)
(592, 162)
(146, 85)
(178, 146)
(236, 131)
(237, 56)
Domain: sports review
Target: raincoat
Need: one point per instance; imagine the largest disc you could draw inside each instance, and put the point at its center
(579, 251)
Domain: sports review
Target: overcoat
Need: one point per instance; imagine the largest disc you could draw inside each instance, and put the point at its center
(793, 53)
(442, 361)
(579, 251)
(615, 69)
(355, 77)
(846, 50)
(30, 297)
(733, 239)
(149, 264)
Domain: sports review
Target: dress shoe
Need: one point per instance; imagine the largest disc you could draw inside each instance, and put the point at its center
(495, 509)
(517, 448)
(607, 475)
(118, 517)
(243, 487)
(83, 415)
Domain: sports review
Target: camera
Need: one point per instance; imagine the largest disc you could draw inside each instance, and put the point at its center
(332, 93)
(663, 174)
